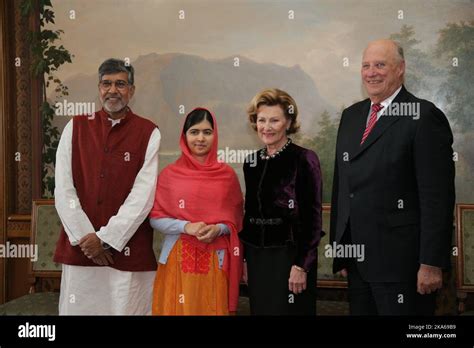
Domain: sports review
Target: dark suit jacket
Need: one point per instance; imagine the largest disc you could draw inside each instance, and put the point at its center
(396, 191)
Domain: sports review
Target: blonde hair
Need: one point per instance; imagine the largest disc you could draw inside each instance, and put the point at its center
(271, 97)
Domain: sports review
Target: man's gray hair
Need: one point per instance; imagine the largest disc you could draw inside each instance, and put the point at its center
(401, 55)
(115, 66)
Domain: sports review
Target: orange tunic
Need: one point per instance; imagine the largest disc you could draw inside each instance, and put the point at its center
(190, 283)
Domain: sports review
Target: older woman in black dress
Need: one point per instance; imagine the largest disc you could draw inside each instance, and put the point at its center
(282, 224)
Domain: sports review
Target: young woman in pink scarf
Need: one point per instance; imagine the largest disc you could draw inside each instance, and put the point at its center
(199, 209)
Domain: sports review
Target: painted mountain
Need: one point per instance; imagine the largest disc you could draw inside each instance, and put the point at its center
(164, 82)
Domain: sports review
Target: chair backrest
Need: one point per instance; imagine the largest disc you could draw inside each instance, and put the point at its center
(465, 244)
(45, 229)
(326, 279)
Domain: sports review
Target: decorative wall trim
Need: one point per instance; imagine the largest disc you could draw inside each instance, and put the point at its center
(6, 184)
(19, 226)
(461, 236)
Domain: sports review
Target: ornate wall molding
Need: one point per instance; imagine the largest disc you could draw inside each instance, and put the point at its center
(18, 226)
(23, 120)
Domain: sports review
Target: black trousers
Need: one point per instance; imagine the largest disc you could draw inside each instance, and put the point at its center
(386, 298)
(268, 273)
(376, 298)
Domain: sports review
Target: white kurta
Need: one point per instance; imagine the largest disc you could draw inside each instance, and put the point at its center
(104, 290)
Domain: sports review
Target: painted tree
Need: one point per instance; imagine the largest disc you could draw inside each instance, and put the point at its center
(419, 66)
(455, 48)
(324, 144)
(455, 51)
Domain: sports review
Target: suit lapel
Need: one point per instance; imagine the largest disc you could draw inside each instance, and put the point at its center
(384, 123)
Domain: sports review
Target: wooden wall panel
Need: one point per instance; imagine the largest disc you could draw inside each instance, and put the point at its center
(17, 282)
(6, 98)
(20, 133)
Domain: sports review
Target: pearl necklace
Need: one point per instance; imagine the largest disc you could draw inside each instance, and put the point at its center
(265, 156)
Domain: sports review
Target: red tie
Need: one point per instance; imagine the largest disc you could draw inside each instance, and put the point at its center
(372, 120)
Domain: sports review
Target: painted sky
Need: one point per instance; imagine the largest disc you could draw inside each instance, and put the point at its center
(321, 34)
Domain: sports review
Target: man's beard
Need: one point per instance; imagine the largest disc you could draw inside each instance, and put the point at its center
(113, 107)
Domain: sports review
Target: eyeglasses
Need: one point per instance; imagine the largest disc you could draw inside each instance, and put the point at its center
(119, 84)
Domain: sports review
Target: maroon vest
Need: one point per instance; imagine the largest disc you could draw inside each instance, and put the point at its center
(105, 163)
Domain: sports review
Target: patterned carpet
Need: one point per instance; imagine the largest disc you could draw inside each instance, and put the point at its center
(322, 307)
(46, 303)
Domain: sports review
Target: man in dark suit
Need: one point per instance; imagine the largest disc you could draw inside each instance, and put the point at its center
(393, 194)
